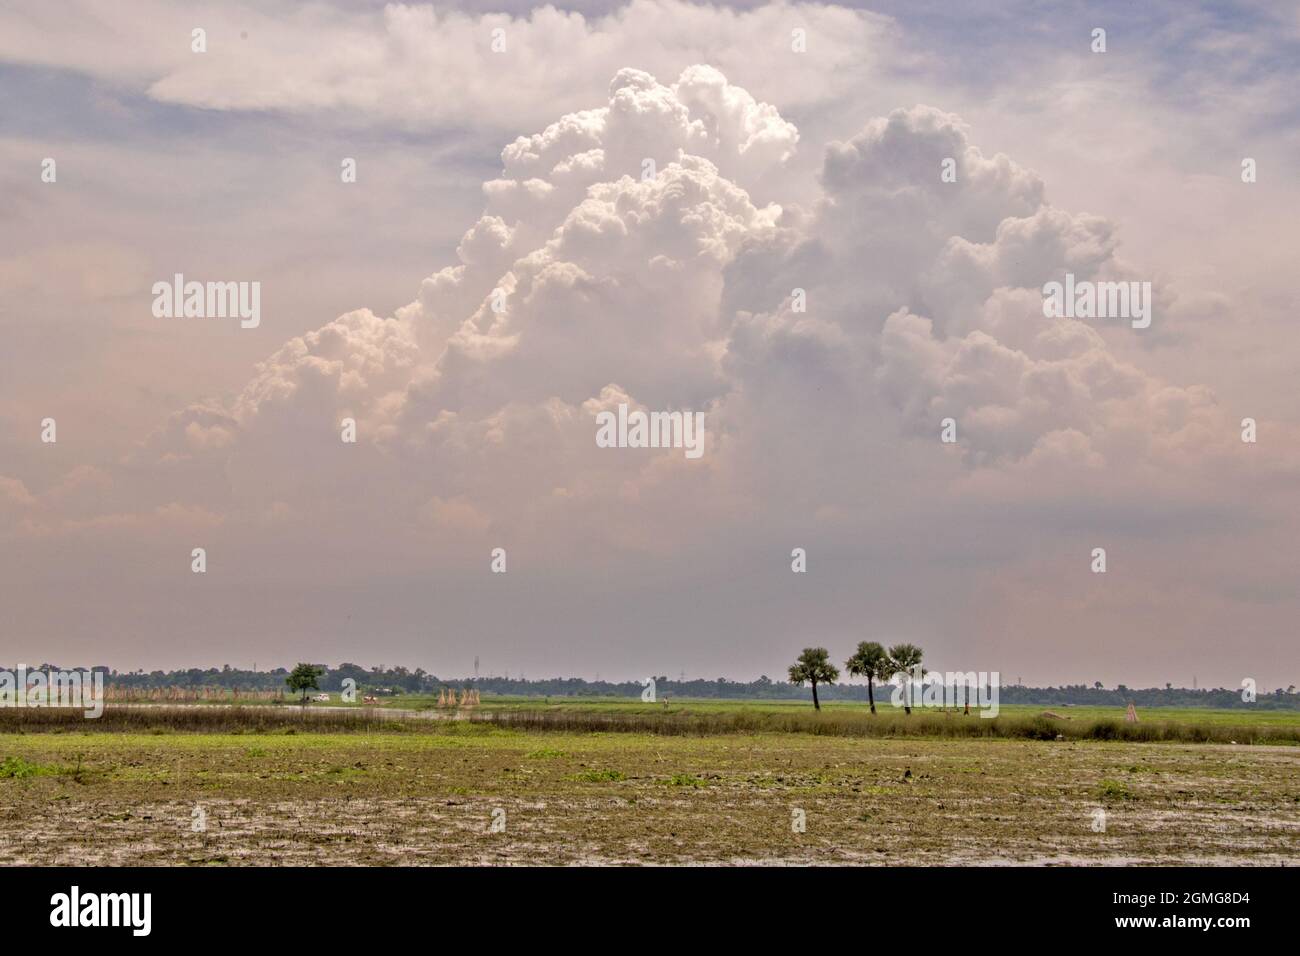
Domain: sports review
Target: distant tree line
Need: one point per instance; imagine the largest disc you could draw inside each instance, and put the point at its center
(401, 680)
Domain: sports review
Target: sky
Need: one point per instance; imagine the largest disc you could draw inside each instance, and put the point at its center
(559, 210)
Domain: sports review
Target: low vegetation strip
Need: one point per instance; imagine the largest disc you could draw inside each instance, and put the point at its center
(196, 718)
(265, 719)
(889, 725)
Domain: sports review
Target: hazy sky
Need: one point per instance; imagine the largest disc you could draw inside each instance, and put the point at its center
(518, 178)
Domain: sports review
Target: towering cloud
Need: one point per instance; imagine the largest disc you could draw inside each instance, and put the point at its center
(641, 252)
(621, 258)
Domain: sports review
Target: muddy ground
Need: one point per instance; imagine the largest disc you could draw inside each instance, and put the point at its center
(432, 799)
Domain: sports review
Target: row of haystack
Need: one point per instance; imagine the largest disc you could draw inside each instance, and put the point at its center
(468, 698)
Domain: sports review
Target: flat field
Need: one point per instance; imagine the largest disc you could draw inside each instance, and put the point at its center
(469, 792)
(1254, 717)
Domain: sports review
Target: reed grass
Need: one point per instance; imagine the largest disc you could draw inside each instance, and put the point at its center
(289, 720)
(917, 724)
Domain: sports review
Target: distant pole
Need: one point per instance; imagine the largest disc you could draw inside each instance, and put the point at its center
(476, 667)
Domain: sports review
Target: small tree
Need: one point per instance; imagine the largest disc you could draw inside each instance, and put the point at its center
(815, 667)
(870, 661)
(304, 678)
(903, 658)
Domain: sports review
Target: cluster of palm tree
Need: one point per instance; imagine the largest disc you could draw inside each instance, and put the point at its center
(870, 660)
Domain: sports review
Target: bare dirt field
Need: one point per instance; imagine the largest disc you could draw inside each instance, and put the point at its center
(433, 797)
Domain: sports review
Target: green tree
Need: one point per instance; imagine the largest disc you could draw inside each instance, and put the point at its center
(870, 661)
(815, 667)
(905, 658)
(304, 678)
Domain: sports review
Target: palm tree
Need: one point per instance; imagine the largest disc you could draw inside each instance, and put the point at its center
(905, 657)
(869, 661)
(815, 667)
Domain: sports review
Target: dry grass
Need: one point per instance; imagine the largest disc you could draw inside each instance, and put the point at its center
(707, 723)
(889, 724)
(193, 718)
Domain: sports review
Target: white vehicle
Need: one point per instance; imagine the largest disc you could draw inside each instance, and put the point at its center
(322, 698)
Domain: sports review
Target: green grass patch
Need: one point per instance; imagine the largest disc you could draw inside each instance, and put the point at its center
(1114, 790)
(686, 780)
(600, 776)
(16, 768)
(545, 753)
